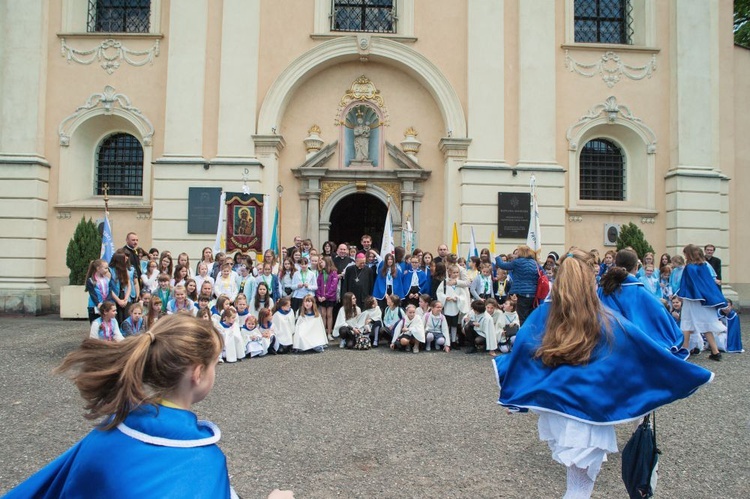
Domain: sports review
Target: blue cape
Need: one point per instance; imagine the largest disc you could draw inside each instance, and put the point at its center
(165, 453)
(640, 307)
(697, 284)
(734, 334)
(628, 375)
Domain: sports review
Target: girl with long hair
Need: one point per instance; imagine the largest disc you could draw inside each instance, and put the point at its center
(309, 332)
(121, 287)
(387, 280)
(328, 282)
(142, 390)
(567, 366)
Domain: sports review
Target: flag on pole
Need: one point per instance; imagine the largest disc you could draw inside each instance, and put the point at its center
(274, 245)
(473, 251)
(492, 245)
(387, 246)
(454, 241)
(108, 244)
(220, 243)
(534, 238)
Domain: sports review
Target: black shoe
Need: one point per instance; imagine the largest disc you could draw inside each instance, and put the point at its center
(694, 351)
(272, 351)
(472, 350)
(715, 356)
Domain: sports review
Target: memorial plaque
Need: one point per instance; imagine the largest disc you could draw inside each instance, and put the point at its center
(203, 209)
(513, 214)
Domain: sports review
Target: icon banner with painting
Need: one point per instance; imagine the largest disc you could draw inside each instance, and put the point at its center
(244, 222)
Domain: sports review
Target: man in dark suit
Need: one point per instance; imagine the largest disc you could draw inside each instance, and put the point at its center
(713, 261)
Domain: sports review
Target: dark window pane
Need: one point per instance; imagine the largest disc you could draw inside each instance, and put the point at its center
(119, 164)
(371, 16)
(602, 172)
(119, 16)
(603, 21)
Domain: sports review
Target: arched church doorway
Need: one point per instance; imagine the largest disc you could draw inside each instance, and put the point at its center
(358, 214)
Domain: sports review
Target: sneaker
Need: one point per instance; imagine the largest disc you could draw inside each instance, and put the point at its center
(330, 337)
(415, 349)
(695, 351)
(375, 345)
(427, 348)
(342, 344)
(715, 356)
(472, 350)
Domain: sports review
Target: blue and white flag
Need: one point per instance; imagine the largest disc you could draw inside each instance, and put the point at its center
(274, 245)
(108, 244)
(534, 238)
(473, 251)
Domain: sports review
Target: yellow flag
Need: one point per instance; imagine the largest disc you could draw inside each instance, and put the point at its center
(454, 242)
(492, 244)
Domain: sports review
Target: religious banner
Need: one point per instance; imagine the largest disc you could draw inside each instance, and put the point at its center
(244, 222)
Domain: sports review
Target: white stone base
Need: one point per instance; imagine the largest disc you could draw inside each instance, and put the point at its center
(73, 302)
(35, 300)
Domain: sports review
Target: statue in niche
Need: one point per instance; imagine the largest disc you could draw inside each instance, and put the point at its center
(363, 137)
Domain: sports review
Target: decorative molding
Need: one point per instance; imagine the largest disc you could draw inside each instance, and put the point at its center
(143, 215)
(362, 90)
(110, 53)
(575, 218)
(63, 215)
(313, 142)
(328, 188)
(410, 145)
(611, 68)
(393, 189)
(610, 112)
(107, 102)
(648, 220)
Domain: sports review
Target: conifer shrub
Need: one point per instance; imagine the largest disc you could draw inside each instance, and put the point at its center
(84, 246)
(632, 236)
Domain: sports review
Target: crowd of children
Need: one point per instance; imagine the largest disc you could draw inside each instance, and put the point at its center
(307, 299)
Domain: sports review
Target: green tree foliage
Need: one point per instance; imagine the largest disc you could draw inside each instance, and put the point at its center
(632, 236)
(742, 22)
(84, 247)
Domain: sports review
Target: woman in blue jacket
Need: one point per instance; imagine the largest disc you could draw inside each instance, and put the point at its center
(525, 274)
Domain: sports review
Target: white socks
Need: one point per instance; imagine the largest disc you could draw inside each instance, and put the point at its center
(580, 486)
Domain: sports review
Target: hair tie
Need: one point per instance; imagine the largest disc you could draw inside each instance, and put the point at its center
(569, 254)
(151, 335)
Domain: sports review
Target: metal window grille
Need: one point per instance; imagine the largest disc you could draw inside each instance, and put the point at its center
(119, 164)
(602, 171)
(119, 16)
(603, 21)
(369, 16)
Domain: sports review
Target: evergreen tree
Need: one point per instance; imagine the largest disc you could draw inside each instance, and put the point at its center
(742, 22)
(632, 236)
(84, 247)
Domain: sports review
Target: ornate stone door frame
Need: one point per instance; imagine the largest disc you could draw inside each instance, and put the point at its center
(322, 188)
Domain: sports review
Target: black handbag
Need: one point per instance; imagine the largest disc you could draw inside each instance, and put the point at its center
(640, 460)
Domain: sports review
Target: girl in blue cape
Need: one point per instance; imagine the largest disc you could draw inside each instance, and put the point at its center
(701, 300)
(583, 368)
(621, 291)
(144, 387)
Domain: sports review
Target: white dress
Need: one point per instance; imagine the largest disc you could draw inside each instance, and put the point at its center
(283, 326)
(309, 333)
(575, 443)
(234, 347)
(414, 327)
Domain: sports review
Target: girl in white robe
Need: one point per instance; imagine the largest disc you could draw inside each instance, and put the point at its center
(479, 328)
(309, 331)
(261, 299)
(252, 337)
(283, 325)
(268, 336)
(409, 332)
(373, 319)
(234, 348)
(454, 295)
(351, 319)
(436, 328)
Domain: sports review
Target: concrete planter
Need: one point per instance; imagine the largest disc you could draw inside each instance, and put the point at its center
(73, 302)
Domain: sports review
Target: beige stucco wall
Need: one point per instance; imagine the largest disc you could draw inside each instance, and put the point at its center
(739, 205)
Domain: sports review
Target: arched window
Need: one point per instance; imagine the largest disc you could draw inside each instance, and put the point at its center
(602, 171)
(603, 21)
(370, 16)
(119, 164)
(119, 16)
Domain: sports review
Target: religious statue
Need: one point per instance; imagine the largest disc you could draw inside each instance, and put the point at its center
(361, 139)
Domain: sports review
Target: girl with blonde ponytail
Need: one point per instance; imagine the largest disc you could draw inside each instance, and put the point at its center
(142, 390)
(584, 368)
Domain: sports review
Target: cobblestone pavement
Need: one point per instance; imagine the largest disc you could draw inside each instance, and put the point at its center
(376, 424)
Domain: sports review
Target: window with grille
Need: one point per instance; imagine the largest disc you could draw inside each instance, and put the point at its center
(370, 16)
(119, 16)
(603, 21)
(119, 164)
(602, 171)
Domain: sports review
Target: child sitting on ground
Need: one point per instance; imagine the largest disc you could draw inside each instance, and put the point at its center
(409, 331)
(133, 325)
(105, 327)
(436, 328)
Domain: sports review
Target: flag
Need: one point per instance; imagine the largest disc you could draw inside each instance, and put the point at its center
(220, 242)
(274, 245)
(492, 245)
(473, 251)
(387, 246)
(454, 242)
(534, 238)
(108, 244)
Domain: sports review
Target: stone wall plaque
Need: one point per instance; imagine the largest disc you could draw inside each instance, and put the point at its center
(513, 214)
(203, 209)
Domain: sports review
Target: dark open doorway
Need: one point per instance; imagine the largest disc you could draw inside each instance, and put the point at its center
(355, 215)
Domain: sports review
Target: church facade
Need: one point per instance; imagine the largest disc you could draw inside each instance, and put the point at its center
(622, 111)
